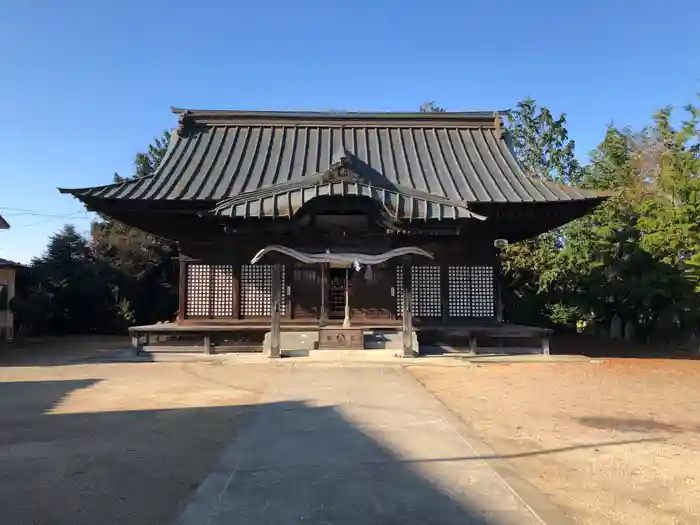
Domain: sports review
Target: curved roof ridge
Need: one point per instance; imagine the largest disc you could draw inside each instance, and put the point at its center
(222, 117)
(335, 113)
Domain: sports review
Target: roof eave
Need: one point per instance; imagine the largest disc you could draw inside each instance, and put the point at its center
(91, 190)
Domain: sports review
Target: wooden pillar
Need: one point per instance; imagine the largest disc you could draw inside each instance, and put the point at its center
(498, 284)
(407, 312)
(275, 311)
(287, 290)
(207, 344)
(212, 291)
(323, 314)
(182, 289)
(499, 302)
(346, 319)
(236, 284)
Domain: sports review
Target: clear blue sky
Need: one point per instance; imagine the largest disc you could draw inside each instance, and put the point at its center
(86, 84)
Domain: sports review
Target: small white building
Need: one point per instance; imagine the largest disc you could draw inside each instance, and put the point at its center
(8, 270)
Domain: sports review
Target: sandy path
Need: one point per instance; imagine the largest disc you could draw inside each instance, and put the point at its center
(615, 442)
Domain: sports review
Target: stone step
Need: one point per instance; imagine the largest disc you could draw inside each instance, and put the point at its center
(374, 339)
(377, 354)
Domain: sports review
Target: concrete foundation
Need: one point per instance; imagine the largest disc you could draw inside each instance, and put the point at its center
(303, 343)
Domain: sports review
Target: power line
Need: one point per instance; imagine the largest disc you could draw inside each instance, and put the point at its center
(54, 218)
(17, 212)
(17, 209)
(36, 214)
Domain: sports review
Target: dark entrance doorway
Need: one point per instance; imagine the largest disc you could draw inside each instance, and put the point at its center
(336, 293)
(306, 291)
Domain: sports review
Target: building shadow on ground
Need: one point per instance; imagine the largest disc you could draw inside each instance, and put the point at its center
(293, 463)
(63, 350)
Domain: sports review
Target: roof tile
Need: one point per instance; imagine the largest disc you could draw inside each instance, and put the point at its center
(220, 155)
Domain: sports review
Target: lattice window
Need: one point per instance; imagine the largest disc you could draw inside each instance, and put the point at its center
(198, 289)
(459, 303)
(425, 288)
(256, 290)
(481, 292)
(399, 291)
(223, 278)
(283, 292)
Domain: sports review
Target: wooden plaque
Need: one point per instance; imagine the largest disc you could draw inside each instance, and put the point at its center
(341, 338)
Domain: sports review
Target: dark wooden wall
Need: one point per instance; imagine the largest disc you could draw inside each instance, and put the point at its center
(373, 298)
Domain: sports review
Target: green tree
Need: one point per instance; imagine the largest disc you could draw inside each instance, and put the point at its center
(634, 256)
(670, 214)
(637, 257)
(146, 162)
(143, 265)
(119, 277)
(542, 147)
(431, 107)
(70, 292)
(541, 143)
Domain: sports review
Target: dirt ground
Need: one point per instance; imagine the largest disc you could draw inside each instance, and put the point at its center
(616, 441)
(113, 443)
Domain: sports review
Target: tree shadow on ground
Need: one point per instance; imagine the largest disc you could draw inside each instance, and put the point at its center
(624, 424)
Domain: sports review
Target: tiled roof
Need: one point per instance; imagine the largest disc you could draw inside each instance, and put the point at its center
(346, 176)
(218, 155)
(6, 263)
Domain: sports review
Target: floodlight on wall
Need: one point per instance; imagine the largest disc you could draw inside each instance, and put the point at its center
(500, 243)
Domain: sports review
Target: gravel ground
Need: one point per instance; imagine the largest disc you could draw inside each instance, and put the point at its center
(119, 443)
(612, 442)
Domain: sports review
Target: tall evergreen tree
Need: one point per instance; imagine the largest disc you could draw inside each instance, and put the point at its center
(541, 144)
(633, 257)
(143, 265)
(431, 107)
(71, 291)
